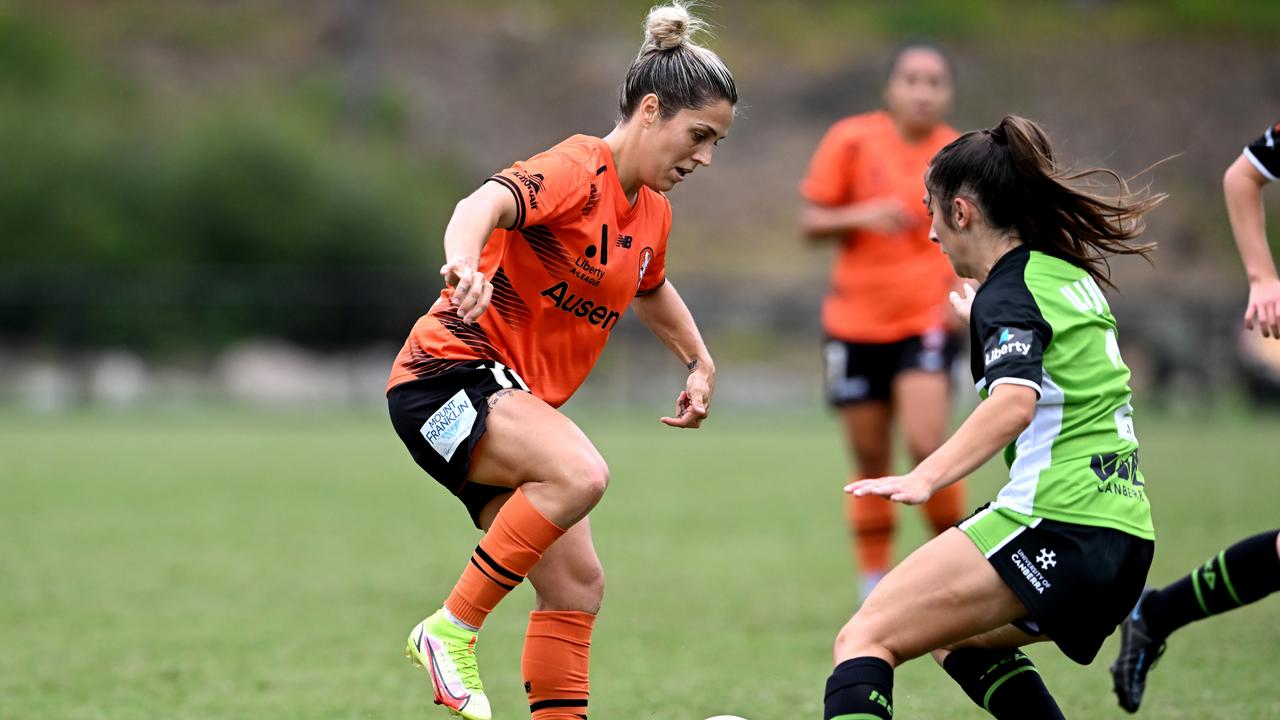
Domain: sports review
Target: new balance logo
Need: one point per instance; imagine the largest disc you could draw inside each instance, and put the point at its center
(1086, 296)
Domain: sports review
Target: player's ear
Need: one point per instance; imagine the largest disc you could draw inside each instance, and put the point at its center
(961, 213)
(650, 110)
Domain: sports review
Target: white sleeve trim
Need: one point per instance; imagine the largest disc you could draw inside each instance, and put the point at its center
(1258, 164)
(1015, 381)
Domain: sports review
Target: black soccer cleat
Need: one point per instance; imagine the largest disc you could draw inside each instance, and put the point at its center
(1139, 651)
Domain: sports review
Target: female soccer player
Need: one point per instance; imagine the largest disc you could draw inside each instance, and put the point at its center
(541, 262)
(1063, 551)
(889, 348)
(1249, 570)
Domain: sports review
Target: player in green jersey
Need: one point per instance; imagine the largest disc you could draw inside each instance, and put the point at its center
(1249, 570)
(1062, 553)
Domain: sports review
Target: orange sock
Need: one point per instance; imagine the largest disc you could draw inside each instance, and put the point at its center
(557, 655)
(514, 544)
(871, 522)
(946, 507)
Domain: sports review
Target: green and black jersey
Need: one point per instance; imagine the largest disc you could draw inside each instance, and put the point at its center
(1042, 322)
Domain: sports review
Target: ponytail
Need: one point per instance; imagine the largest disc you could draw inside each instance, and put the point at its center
(1011, 173)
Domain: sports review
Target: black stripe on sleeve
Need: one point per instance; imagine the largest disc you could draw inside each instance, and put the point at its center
(515, 192)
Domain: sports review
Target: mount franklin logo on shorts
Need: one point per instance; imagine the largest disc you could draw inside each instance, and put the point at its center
(449, 426)
(1010, 341)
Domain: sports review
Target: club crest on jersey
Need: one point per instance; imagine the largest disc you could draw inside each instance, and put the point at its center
(646, 257)
(1009, 341)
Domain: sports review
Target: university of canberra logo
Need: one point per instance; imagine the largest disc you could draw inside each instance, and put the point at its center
(1009, 341)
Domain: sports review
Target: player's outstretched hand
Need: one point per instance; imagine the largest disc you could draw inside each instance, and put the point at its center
(471, 291)
(694, 403)
(963, 305)
(909, 489)
(1264, 307)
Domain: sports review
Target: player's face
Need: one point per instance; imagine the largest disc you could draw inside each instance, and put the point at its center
(952, 243)
(919, 93)
(674, 148)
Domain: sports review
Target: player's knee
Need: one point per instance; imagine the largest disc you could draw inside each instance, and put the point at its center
(860, 637)
(584, 477)
(872, 464)
(921, 449)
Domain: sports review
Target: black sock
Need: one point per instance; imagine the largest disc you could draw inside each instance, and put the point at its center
(862, 686)
(1243, 573)
(1005, 683)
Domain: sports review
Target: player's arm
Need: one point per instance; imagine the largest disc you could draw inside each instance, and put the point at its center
(828, 222)
(996, 422)
(668, 318)
(1242, 185)
(474, 218)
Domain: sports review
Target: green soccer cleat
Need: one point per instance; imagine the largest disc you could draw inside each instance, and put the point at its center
(449, 654)
(1139, 651)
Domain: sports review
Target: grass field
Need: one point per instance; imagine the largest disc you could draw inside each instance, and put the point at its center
(225, 564)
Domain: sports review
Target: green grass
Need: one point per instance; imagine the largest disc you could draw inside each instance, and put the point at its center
(222, 564)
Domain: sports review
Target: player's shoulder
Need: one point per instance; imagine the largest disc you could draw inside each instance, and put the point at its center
(578, 157)
(855, 128)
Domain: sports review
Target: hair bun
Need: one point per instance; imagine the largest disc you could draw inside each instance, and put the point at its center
(668, 27)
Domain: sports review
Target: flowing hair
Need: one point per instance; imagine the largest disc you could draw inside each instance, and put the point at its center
(1011, 173)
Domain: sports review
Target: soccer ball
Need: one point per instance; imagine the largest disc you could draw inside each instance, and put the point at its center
(726, 717)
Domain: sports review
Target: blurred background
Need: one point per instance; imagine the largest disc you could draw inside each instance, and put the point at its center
(220, 218)
(245, 199)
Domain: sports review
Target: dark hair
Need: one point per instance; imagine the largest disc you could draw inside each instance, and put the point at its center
(670, 65)
(909, 45)
(1010, 172)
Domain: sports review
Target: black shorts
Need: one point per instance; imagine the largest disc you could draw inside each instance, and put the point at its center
(440, 419)
(857, 372)
(1077, 581)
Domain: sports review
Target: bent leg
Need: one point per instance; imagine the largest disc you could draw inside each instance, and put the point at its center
(942, 593)
(558, 476)
(999, 677)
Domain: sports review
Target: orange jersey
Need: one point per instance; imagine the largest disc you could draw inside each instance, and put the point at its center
(884, 287)
(562, 275)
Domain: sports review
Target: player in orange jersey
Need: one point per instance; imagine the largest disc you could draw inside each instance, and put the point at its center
(889, 346)
(541, 262)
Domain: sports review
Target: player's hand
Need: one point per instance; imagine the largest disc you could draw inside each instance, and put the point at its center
(1264, 307)
(471, 291)
(886, 215)
(694, 403)
(910, 489)
(963, 304)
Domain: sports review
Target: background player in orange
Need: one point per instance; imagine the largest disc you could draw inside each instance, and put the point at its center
(541, 261)
(890, 337)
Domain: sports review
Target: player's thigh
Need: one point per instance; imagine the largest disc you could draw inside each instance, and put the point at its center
(922, 402)
(942, 593)
(527, 440)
